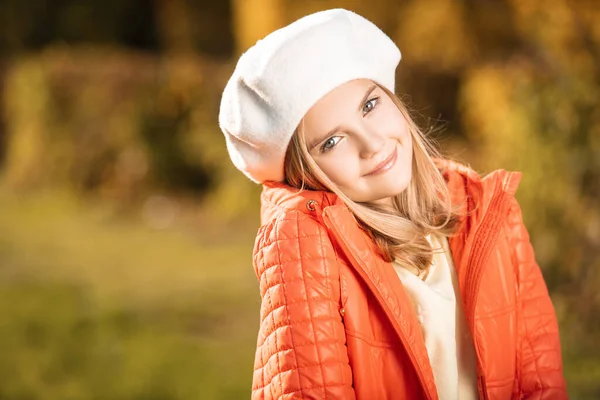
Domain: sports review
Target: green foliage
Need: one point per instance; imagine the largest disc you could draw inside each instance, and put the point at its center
(94, 309)
(57, 345)
(120, 126)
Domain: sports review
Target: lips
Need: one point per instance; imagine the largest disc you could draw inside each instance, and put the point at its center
(385, 165)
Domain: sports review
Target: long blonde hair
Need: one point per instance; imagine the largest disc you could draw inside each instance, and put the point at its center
(423, 208)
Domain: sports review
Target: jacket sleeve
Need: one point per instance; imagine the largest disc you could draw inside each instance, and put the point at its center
(301, 348)
(540, 362)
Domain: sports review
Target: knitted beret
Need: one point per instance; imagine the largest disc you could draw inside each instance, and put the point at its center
(282, 76)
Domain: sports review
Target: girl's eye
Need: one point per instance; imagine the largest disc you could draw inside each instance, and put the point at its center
(370, 105)
(330, 143)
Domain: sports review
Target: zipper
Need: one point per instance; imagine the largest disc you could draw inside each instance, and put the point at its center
(487, 234)
(486, 237)
(481, 385)
(356, 259)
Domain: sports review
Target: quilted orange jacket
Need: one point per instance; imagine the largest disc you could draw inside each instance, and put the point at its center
(336, 322)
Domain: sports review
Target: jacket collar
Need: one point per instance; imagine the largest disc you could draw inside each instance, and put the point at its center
(485, 203)
(278, 198)
(467, 189)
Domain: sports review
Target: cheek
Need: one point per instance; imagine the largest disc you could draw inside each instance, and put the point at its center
(341, 168)
(402, 133)
(392, 123)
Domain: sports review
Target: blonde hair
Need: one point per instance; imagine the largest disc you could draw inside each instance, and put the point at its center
(423, 208)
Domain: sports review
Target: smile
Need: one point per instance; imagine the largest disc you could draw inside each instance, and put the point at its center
(385, 165)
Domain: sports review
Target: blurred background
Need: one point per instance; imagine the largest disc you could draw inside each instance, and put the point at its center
(126, 240)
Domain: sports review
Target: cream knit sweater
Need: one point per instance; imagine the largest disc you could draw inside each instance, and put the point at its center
(447, 338)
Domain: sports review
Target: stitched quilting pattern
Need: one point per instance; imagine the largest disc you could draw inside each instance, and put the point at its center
(540, 353)
(301, 345)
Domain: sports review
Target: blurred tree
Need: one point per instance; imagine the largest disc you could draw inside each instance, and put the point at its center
(198, 25)
(195, 25)
(35, 24)
(253, 19)
(174, 25)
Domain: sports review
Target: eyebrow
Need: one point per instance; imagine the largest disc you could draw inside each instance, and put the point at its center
(315, 142)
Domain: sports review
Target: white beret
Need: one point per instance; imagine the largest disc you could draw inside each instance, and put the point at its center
(282, 76)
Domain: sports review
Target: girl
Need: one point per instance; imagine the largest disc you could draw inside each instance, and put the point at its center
(385, 271)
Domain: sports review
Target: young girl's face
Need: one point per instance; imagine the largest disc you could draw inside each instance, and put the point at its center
(361, 141)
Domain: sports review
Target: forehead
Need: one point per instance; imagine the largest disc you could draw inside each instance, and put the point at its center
(332, 108)
(343, 93)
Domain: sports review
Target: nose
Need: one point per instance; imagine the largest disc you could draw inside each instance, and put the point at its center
(370, 142)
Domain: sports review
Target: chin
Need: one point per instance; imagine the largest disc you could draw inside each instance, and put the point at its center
(395, 191)
(396, 187)
(391, 190)
(402, 183)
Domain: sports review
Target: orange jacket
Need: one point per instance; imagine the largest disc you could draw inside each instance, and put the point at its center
(336, 322)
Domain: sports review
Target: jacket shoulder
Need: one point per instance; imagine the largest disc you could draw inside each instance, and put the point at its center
(294, 243)
(301, 350)
(462, 180)
(450, 167)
